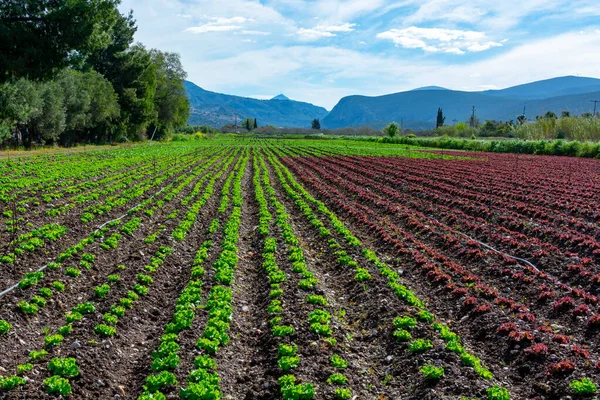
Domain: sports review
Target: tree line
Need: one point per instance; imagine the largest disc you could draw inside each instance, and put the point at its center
(70, 72)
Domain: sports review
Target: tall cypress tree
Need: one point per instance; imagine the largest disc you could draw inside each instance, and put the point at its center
(440, 119)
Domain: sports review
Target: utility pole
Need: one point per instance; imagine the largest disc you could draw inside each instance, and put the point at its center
(473, 118)
(595, 102)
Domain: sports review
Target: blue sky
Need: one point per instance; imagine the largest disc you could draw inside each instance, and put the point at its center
(322, 50)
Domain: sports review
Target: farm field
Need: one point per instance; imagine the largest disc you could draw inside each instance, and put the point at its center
(298, 269)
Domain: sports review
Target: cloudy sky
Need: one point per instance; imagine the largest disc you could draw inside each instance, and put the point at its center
(321, 50)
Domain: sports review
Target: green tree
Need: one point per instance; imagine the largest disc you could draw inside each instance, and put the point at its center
(19, 102)
(316, 124)
(255, 124)
(39, 37)
(170, 101)
(550, 115)
(440, 119)
(392, 130)
(50, 122)
(132, 73)
(565, 114)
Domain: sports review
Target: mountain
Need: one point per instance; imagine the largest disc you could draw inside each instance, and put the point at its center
(281, 96)
(216, 109)
(429, 88)
(554, 87)
(418, 108)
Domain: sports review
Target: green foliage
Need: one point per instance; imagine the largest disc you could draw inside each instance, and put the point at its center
(105, 330)
(282, 330)
(28, 308)
(57, 385)
(290, 390)
(402, 335)
(440, 119)
(4, 327)
(316, 299)
(404, 322)
(102, 290)
(583, 387)
(10, 382)
(288, 362)
(420, 345)
(84, 308)
(66, 367)
(74, 272)
(426, 316)
(497, 393)
(392, 130)
(65, 330)
(431, 372)
(338, 362)
(342, 393)
(73, 316)
(35, 355)
(22, 368)
(337, 379)
(160, 381)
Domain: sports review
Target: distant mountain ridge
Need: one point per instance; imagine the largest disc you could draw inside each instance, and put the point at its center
(418, 108)
(216, 109)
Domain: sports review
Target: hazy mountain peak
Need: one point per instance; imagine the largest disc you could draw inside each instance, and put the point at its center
(281, 96)
(429, 88)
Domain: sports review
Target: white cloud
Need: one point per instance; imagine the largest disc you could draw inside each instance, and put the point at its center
(219, 24)
(347, 27)
(255, 33)
(434, 40)
(324, 30)
(312, 34)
